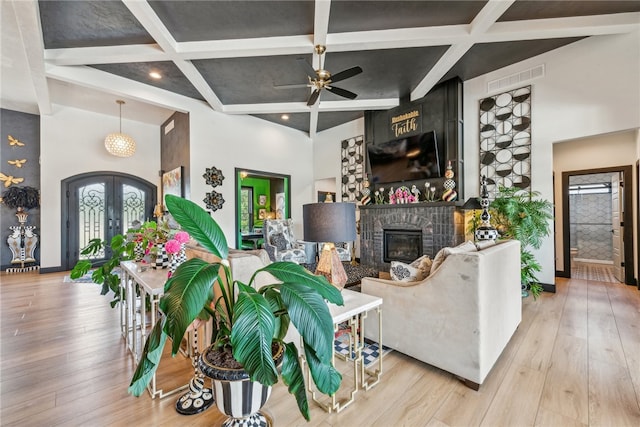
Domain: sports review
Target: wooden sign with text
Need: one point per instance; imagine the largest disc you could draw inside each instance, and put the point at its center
(407, 123)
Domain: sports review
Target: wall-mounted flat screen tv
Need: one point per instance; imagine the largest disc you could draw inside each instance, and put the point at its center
(407, 159)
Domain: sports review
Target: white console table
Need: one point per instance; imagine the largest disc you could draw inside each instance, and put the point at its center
(355, 309)
(140, 282)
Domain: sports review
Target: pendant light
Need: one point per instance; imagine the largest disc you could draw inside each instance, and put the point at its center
(120, 144)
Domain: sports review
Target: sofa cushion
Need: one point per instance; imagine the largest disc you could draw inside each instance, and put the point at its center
(443, 253)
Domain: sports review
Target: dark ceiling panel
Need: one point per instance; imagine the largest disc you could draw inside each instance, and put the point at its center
(384, 15)
(225, 20)
(67, 24)
(540, 9)
(298, 121)
(387, 73)
(172, 78)
(252, 80)
(486, 57)
(335, 118)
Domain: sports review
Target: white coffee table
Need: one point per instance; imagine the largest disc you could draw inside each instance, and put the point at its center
(355, 309)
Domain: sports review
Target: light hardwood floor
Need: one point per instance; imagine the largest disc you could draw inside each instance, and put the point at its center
(574, 360)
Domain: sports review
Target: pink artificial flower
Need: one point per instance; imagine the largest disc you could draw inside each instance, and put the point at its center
(172, 246)
(182, 236)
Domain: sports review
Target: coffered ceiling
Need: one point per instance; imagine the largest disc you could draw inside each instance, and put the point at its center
(233, 55)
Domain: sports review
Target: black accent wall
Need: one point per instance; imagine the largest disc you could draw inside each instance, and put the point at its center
(442, 112)
(174, 152)
(25, 128)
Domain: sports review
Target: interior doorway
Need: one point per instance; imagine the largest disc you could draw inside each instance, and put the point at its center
(101, 205)
(598, 221)
(259, 196)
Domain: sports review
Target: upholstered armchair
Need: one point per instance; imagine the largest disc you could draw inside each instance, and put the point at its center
(280, 242)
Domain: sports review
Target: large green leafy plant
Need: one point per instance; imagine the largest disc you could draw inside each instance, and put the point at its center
(244, 319)
(523, 216)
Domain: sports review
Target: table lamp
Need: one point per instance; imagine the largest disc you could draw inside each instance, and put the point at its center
(329, 223)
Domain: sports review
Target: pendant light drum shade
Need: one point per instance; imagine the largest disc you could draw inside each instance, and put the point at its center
(118, 143)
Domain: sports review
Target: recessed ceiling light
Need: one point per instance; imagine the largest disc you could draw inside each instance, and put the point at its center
(155, 75)
(285, 117)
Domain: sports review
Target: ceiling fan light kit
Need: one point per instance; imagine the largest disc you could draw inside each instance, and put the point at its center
(322, 79)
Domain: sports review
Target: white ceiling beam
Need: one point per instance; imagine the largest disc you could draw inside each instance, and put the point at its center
(105, 54)
(397, 38)
(28, 17)
(360, 104)
(267, 108)
(154, 26)
(321, 22)
(578, 26)
(264, 46)
(489, 14)
(323, 106)
(110, 83)
(343, 42)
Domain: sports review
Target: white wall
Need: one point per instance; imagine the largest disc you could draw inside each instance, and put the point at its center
(228, 142)
(327, 151)
(619, 149)
(591, 87)
(72, 142)
(327, 157)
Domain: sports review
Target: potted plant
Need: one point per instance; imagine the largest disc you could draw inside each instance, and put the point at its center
(247, 323)
(137, 243)
(518, 215)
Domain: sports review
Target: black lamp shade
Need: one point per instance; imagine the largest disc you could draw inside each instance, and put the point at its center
(329, 222)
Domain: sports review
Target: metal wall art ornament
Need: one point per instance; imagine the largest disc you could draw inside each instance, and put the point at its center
(9, 180)
(353, 169)
(213, 176)
(505, 139)
(213, 200)
(14, 142)
(17, 163)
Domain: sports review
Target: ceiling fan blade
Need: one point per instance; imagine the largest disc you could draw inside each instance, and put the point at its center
(308, 69)
(298, 86)
(313, 98)
(345, 74)
(342, 92)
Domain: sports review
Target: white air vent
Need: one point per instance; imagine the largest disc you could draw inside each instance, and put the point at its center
(515, 79)
(169, 127)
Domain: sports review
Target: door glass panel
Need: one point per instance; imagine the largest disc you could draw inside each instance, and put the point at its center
(133, 208)
(246, 207)
(91, 211)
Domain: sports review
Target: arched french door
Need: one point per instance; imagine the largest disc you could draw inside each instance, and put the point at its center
(101, 205)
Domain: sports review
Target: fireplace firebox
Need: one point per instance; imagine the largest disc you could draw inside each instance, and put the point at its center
(402, 245)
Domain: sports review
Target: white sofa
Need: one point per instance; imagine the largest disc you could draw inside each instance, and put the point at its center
(458, 319)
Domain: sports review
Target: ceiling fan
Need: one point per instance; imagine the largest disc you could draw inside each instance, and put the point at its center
(322, 79)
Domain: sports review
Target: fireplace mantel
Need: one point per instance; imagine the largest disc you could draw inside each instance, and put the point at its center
(441, 223)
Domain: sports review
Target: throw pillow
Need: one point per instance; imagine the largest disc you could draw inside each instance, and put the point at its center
(423, 264)
(402, 272)
(279, 241)
(443, 253)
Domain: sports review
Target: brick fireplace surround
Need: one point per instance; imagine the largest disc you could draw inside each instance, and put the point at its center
(441, 223)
